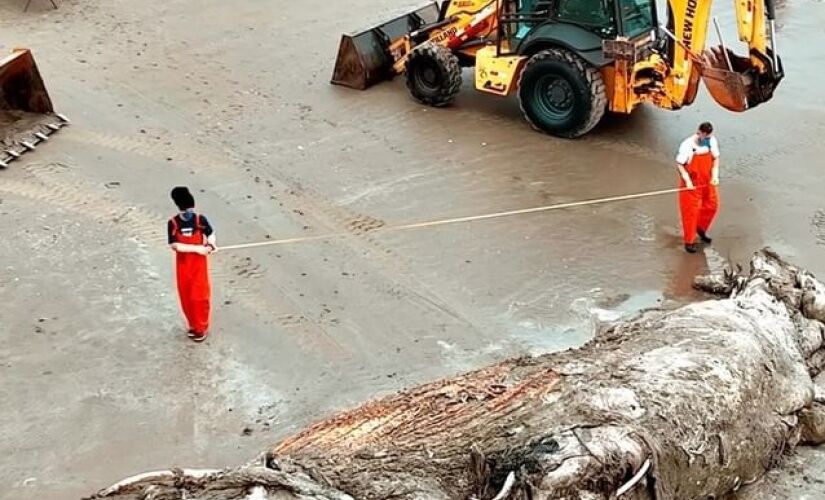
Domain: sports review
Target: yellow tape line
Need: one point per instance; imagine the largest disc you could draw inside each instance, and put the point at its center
(456, 220)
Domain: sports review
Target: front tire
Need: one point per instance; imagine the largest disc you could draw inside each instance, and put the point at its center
(562, 95)
(433, 75)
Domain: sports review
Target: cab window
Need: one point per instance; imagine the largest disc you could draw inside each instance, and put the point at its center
(594, 15)
(637, 17)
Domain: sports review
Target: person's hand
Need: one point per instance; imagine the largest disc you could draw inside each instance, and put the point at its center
(202, 250)
(714, 181)
(689, 183)
(211, 248)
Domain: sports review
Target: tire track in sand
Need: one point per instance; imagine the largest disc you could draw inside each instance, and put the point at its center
(152, 147)
(311, 205)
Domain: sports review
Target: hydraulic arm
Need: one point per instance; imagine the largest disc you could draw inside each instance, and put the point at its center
(735, 82)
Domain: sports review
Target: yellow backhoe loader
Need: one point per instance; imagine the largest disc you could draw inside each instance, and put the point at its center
(570, 61)
(26, 113)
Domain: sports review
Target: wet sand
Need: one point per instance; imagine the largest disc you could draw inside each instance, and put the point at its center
(97, 377)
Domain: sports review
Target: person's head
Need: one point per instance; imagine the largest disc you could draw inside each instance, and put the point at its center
(705, 130)
(183, 198)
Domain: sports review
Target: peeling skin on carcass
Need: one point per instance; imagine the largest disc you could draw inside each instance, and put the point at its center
(710, 395)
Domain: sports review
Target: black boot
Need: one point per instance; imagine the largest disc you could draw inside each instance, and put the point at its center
(690, 247)
(704, 236)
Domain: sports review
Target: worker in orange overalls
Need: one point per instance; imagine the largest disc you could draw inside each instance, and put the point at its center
(698, 164)
(192, 238)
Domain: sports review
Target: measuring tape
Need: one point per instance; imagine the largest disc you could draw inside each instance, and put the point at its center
(456, 220)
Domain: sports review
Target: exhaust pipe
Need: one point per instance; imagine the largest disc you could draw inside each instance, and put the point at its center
(364, 58)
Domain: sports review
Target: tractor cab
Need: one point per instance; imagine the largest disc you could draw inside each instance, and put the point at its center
(525, 25)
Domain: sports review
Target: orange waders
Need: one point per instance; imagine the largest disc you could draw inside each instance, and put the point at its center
(192, 273)
(698, 206)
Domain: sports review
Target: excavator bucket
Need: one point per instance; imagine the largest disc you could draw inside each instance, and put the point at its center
(26, 113)
(727, 88)
(734, 83)
(364, 58)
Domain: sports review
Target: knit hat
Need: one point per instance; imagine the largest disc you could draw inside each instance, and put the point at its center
(183, 198)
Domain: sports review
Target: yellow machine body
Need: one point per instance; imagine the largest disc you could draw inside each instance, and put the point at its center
(496, 74)
(379, 53)
(635, 71)
(736, 83)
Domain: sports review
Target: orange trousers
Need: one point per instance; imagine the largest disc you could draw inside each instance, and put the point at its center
(698, 206)
(194, 290)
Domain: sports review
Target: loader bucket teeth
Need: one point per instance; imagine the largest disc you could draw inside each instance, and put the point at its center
(26, 112)
(364, 58)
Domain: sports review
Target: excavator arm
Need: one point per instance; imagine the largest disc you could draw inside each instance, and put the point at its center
(736, 82)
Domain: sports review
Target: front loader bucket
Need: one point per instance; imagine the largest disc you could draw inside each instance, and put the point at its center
(26, 113)
(364, 58)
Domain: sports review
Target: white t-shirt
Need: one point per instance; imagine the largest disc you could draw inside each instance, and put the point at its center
(688, 148)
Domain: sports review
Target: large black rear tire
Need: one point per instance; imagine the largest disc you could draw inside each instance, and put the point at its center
(560, 94)
(433, 75)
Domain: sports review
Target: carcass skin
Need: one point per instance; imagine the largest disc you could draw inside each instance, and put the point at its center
(693, 402)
